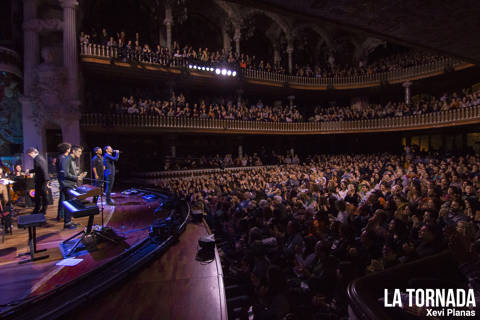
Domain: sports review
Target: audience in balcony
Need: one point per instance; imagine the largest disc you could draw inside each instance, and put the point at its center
(135, 51)
(177, 106)
(226, 109)
(292, 237)
(422, 105)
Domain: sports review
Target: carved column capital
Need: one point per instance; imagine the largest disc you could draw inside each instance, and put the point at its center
(69, 3)
(40, 25)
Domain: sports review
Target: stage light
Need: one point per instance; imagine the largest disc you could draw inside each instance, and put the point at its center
(189, 66)
(203, 68)
(194, 67)
(234, 73)
(217, 71)
(224, 72)
(229, 73)
(211, 69)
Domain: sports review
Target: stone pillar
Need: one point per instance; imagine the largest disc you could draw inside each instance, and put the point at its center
(407, 86)
(226, 40)
(237, 37)
(31, 55)
(276, 54)
(240, 151)
(168, 24)
(70, 125)
(70, 54)
(239, 97)
(290, 62)
(71, 116)
(33, 133)
(290, 100)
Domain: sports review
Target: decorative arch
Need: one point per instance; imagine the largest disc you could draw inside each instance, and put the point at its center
(317, 29)
(280, 21)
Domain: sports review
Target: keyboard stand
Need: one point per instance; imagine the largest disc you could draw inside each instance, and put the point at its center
(87, 232)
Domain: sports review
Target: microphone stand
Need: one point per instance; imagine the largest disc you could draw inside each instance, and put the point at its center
(101, 194)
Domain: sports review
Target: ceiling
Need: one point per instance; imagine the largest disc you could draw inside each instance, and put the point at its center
(448, 27)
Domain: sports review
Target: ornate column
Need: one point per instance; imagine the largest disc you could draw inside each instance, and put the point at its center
(276, 54)
(31, 46)
(237, 37)
(407, 86)
(31, 55)
(168, 24)
(290, 100)
(70, 51)
(70, 122)
(290, 62)
(240, 151)
(239, 97)
(226, 40)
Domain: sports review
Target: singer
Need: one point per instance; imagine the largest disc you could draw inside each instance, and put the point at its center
(109, 163)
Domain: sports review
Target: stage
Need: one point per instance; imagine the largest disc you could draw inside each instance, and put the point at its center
(168, 284)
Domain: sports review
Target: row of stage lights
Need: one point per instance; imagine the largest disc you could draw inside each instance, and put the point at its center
(223, 72)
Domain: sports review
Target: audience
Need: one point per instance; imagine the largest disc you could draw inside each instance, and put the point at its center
(227, 109)
(135, 51)
(293, 236)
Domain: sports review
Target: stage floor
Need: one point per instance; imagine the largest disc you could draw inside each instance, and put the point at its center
(130, 218)
(175, 286)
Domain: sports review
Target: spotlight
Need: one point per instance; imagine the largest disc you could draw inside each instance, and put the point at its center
(194, 67)
(203, 68)
(217, 71)
(211, 69)
(189, 66)
(229, 73)
(224, 72)
(234, 73)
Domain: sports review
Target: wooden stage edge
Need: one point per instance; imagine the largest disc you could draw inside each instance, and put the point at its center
(173, 286)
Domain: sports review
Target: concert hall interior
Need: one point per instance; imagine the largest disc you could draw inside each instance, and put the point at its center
(239, 159)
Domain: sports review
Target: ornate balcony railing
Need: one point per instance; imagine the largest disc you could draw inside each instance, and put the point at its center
(276, 79)
(449, 118)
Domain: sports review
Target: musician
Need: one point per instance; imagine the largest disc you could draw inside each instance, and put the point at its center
(109, 162)
(70, 177)
(98, 170)
(41, 178)
(3, 188)
(63, 152)
(18, 171)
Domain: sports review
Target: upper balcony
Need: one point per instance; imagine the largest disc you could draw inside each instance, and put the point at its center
(104, 55)
(122, 122)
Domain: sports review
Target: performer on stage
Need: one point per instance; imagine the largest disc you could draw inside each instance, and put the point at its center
(98, 170)
(3, 188)
(63, 152)
(109, 162)
(41, 178)
(69, 177)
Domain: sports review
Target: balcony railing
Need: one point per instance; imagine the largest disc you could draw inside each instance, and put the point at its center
(374, 79)
(449, 118)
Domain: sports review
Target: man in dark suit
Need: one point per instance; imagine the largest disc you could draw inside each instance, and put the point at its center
(40, 168)
(69, 177)
(63, 152)
(98, 169)
(109, 162)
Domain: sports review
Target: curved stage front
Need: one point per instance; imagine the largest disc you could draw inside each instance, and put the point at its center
(121, 281)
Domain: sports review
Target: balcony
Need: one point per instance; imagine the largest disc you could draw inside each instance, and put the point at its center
(93, 53)
(127, 122)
